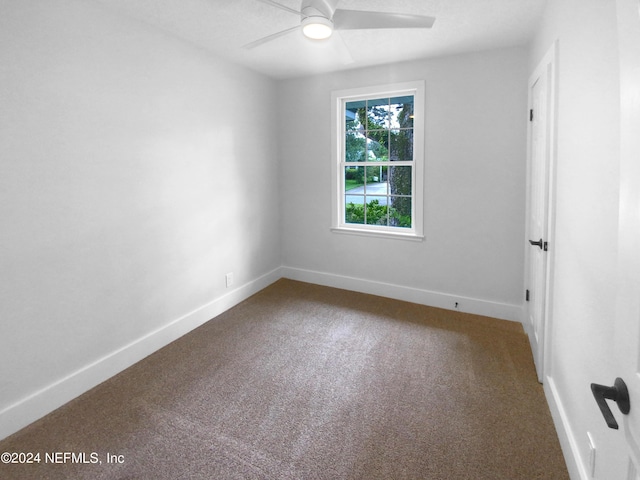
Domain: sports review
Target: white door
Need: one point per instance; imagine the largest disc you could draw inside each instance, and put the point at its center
(541, 106)
(625, 463)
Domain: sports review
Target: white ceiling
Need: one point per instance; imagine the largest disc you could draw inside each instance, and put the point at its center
(224, 26)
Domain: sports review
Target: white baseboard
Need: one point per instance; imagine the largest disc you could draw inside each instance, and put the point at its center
(476, 306)
(567, 439)
(44, 401)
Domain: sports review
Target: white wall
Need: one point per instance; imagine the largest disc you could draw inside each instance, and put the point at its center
(135, 171)
(586, 225)
(474, 186)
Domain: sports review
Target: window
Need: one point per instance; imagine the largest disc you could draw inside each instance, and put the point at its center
(378, 147)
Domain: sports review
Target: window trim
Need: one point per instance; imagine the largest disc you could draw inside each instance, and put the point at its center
(339, 98)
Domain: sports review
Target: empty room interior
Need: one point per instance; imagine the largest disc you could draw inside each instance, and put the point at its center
(402, 251)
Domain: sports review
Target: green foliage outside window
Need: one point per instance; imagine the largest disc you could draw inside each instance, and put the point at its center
(377, 214)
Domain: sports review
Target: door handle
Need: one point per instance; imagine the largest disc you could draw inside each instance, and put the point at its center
(539, 243)
(618, 393)
(536, 244)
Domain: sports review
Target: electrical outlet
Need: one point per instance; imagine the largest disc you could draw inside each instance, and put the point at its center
(228, 278)
(592, 456)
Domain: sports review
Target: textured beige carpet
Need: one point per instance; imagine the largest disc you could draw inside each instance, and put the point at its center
(309, 382)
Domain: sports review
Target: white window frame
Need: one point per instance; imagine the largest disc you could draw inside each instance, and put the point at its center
(339, 100)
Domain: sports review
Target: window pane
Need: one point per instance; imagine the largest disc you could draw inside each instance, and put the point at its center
(401, 145)
(354, 180)
(376, 211)
(355, 147)
(355, 113)
(378, 114)
(354, 209)
(376, 180)
(400, 180)
(401, 112)
(378, 146)
(400, 212)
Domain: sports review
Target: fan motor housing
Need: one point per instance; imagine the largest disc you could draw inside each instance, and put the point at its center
(318, 8)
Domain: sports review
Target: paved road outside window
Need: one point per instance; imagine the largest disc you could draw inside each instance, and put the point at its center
(375, 191)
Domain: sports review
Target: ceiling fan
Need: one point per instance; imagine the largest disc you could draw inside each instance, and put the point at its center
(319, 18)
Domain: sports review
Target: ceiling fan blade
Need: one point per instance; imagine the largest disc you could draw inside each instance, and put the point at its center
(355, 20)
(343, 51)
(280, 6)
(268, 38)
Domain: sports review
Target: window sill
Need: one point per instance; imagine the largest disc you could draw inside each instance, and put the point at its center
(379, 234)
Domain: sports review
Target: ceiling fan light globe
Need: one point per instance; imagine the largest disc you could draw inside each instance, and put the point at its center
(317, 28)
